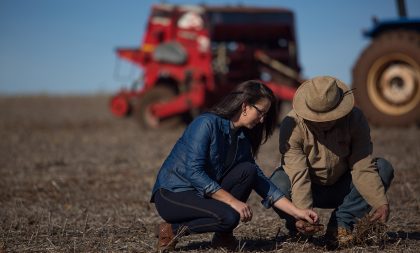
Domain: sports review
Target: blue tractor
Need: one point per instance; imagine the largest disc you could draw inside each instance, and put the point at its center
(387, 73)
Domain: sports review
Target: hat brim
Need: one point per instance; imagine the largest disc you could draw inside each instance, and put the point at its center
(302, 110)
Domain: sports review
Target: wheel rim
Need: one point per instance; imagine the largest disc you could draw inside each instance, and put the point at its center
(119, 106)
(393, 84)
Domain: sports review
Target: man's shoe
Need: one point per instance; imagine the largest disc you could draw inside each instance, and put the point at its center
(224, 240)
(344, 236)
(339, 235)
(166, 237)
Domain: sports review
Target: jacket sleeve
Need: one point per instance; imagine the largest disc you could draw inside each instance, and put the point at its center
(199, 135)
(266, 189)
(294, 162)
(364, 172)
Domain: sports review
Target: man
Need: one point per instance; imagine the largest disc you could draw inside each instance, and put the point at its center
(326, 159)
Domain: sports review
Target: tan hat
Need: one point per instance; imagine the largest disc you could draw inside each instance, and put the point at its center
(323, 98)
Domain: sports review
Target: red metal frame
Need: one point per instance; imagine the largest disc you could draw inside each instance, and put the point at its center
(283, 92)
(162, 27)
(180, 104)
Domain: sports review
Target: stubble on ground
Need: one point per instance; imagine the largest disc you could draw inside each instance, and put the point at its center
(75, 179)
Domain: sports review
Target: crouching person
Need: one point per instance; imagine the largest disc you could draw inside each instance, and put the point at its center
(204, 183)
(326, 159)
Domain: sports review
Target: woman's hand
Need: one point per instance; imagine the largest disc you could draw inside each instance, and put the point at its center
(308, 215)
(242, 208)
(307, 222)
(300, 214)
(306, 219)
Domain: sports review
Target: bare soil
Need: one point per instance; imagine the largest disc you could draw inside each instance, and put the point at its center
(75, 179)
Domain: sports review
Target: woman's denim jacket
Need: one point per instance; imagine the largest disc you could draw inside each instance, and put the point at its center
(197, 160)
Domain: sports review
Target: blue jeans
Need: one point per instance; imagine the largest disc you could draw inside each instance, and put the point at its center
(202, 215)
(348, 204)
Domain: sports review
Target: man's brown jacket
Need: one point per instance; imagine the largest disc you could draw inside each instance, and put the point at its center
(311, 156)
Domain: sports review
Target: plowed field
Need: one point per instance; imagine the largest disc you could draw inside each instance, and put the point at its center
(75, 179)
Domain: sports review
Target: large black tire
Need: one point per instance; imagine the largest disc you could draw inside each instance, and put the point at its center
(387, 79)
(142, 110)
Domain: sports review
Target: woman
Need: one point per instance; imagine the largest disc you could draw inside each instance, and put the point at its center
(204, 183)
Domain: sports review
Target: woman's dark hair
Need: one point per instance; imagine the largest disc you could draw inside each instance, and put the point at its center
(250, 92)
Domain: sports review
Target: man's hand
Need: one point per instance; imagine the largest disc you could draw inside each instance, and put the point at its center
(381, 214)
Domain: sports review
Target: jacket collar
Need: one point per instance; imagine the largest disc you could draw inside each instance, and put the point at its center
(225, 125)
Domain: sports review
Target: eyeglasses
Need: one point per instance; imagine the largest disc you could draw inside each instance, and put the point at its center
(259, 111)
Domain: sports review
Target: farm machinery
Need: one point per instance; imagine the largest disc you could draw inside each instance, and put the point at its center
(387, 73)
(191, 56)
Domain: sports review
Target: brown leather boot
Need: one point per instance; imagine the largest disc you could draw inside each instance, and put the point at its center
(225, 240)
(166, 238)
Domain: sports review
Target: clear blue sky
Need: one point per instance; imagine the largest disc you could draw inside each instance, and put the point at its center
(68, 46)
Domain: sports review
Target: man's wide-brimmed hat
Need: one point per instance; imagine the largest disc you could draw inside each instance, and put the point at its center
(323, 98)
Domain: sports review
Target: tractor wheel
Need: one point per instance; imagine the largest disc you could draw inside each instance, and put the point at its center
(120, 106)
(387, 79)
(143, 114)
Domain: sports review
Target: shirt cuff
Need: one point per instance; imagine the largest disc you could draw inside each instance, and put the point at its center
(210, 189)
(272, 198)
